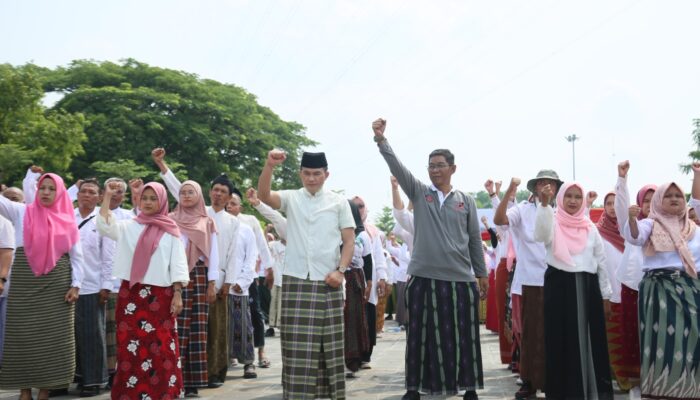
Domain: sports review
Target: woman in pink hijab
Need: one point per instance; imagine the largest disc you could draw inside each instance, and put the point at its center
(151, 262)
(576, 298)
(46, 277)
(198, 235)
(669, 294)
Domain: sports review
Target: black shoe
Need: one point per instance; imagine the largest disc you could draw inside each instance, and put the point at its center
(58, 392)
(90, 391)
(389, 317)
(249, 372)
(215, 384)
(411, 395)
(191, 392)
(470, 395)
(270, 332)
(526, 391)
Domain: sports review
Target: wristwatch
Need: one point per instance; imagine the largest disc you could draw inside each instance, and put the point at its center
(342, 268)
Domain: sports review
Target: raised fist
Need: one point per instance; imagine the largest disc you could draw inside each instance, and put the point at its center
(696, 167)
(378, 126)
(488, 185)
(546, 194)
(136, 185)
(623, 168)
(514, 183)
(36, 169)
(634, 211)
(252, 195)
(498, 186)
(394, 182)
(276, 157)
(158, 155)
(590, 198)
(112, 188)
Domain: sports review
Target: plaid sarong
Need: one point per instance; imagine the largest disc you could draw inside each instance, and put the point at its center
(312, 340)
(355, 319)
(192, 329)
(90, 341)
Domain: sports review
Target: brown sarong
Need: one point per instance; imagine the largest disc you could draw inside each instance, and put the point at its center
(532, 352)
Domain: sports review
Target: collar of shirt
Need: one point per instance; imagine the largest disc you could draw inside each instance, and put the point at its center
(313, 195)
(80, 218)
(442, 196)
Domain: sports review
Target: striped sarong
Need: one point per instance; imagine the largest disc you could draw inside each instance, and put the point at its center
(90, 341)
(40, 332)
(241, 330)
(577, 363)
(217, 339)
(192, 329)
(532, 349)
(443, 350)
(111, 333)
(312, 340)
(670, 336)
(3, 313)
(355, 319)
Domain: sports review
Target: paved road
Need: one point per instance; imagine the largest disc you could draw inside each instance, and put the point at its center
(384, 381)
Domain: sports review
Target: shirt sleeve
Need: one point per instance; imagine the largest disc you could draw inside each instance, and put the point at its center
(10, 209)
(695, 203)
(514, 217)
(29, 186)
(378, 259)
(179, 269)
(622, 202)
(7, 234)
(247, 256)
(275, 217)
(345, 219)
(213, 268)
(77, 262)
(284, 199)
(405, 219)
(410, 185)
(644, 226)
(476, 249)
(172, 183)
(109, 229)
(544, 224)
(73, 193)
(599, 254)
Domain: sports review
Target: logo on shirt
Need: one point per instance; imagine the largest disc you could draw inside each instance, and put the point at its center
(460, 205)
(429, 198)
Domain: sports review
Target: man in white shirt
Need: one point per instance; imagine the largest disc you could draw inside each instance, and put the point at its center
(318, 220)
(529, 278)
(7, 249)
(90, 335)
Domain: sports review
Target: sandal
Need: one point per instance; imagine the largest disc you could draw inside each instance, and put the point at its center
(264, 363)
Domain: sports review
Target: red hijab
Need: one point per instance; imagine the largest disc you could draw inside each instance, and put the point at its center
(197, 225)
(49, 232)
(156, 225)
(640, 198)
(609, 228)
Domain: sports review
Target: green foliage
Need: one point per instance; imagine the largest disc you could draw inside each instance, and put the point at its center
(29, 132)
(385, 220)
(695, 154)
(208, 126)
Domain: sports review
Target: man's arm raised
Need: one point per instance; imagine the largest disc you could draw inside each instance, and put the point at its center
(501, 217)
(265, 193)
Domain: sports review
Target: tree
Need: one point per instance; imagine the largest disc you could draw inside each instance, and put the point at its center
(30, 133)
(385, 220)
(208, 126)
(695, 154)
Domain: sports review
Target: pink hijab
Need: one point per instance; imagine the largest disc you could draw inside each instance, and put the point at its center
(49, 232)
(570, 231)
(671, 232)
(640, 197)
(197, 225)
(156, 225)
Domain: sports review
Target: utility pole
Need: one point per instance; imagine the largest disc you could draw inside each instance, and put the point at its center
(572, 139)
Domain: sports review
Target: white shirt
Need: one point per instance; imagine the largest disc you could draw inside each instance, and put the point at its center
(531, 254)
(260, 241)
(404, 235)
(379, 267)
(226, 231)
(391, 268)
(29, 185)
(613, 258)
(363, 248)
(314, 223)
(441, 196)
(402, 254)
(629, 273)
(213, 266)
(502, 248)
(168, 263)
(274, 216)
(7, 241)
(277, 250)
(662, 259)
(242, 272)
(97, 275)
(109, 246)
(591, 260)
(15, 213)
(404, 219)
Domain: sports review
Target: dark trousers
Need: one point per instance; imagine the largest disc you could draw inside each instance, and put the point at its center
(256, 316)
(265, 297)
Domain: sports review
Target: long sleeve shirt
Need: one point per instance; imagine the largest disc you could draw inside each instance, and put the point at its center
(404, 218)
(447, 244)
(168, 263)
(275, 217)
(591, 260)
(97, 276)
(661, 259)
(246, 256)
(227, 228)
(277, 250)
(629, 271)
(109, 247)
(15, 213)
(403, 256)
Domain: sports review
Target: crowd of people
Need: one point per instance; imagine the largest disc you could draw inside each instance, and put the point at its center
(158, 301)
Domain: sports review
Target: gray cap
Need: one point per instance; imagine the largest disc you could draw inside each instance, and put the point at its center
(544, 174)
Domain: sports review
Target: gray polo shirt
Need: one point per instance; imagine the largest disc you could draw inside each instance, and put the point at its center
(447, 243)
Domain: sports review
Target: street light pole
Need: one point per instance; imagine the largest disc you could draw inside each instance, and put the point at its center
(572, 139)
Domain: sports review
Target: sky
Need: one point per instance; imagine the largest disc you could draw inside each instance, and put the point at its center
(501, 84)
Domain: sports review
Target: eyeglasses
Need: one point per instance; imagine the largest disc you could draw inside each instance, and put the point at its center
(434, 167)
